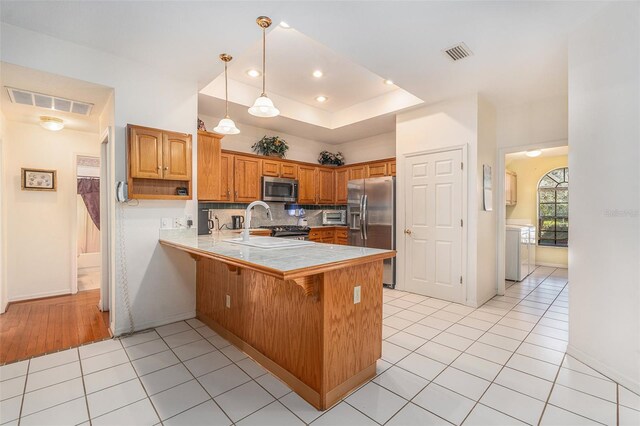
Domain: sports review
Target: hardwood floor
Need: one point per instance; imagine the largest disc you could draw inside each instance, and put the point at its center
(40, 326)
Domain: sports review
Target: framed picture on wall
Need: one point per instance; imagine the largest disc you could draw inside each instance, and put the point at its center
(38, 180)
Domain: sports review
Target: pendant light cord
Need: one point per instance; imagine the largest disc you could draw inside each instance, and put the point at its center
(226, 92)
(264, 42)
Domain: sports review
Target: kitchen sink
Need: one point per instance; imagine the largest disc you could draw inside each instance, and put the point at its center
(269, 242)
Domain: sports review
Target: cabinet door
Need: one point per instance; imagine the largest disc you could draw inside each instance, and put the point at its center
(146, 153)
(391, 168)
(209, 172)
(176, 156)
(270, 168)
(246, 178)
(325, 186)
(315, 236)
(357, 172)
(307, 185)
(289, 170)
(342, 178)
(226, 178)
(377, 170)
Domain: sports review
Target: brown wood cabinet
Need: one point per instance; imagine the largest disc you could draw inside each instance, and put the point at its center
(341, 180)
(158, 163)
(307, 177)
(326, 186)
(209, 166)
(329, 234)
(392, 168)
(288, 170)
(226, 177)
(271, 168)
(357, 172)
(246, 178)
(377, 170)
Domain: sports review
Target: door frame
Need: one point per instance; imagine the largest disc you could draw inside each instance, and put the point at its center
(501, 200)
(401, 214)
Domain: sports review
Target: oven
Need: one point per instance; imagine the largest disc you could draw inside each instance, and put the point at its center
(279, 189)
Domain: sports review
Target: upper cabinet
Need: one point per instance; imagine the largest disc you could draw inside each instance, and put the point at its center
(357, 172)
(158, 163)
(392, 168)
(281, 169)
(246, 178)
(307, 184)
(378, 169)
(209, 163)
(226, 177)
(325, 187)
(511, 188)
(342, 177)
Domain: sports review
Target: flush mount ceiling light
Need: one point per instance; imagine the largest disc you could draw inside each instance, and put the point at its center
(263, 106)
(321, 98)
(51, 123)
(285, 25)
(253, 73)
(388, 82)
(533, 153)
(317, 74)
(226, 126)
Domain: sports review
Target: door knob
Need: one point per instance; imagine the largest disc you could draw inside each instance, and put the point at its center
(407, 231)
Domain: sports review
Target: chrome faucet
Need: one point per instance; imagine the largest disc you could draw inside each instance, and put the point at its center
(247, 217)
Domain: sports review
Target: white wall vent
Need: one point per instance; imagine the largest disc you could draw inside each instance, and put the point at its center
(457, 52)
(25, 97)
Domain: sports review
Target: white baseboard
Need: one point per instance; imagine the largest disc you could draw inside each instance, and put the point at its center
(39, 295)
(139, 326)
(605, 370)
(551, 265)
(3, 308)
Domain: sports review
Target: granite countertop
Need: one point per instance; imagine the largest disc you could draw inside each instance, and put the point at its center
(285, 263)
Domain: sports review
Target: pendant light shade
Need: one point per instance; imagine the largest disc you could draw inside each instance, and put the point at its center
(226, 126)
(263, 106)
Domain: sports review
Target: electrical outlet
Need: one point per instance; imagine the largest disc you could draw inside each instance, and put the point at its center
(165, 223)
(356, 294)
(228, 301)
(177, 222)
(189, 217)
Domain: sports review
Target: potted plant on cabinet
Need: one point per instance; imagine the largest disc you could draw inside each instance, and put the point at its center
(327, 158)
(272, 146)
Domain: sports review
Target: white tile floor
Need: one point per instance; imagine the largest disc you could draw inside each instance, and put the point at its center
(501, 364)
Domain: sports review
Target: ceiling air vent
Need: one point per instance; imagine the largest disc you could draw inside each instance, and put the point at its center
(457, 52)
(25, 97)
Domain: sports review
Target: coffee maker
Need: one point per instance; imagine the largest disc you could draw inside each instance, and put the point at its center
(237, 222)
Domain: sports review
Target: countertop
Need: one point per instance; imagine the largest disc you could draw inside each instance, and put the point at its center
(284, 263)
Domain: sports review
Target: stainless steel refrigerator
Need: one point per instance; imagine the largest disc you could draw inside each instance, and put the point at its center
(371, 213)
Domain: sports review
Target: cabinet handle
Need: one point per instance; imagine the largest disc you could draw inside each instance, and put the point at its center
(159, 168)
(166, 167)
(236, 194)
(228, 194)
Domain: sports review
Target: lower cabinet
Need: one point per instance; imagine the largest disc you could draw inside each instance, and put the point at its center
(329, 235)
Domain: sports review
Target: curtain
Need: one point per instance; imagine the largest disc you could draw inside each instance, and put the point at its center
(88, 234)
(89, 190)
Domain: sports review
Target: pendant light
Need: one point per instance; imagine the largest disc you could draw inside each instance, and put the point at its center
(263, 106)
(226, 126)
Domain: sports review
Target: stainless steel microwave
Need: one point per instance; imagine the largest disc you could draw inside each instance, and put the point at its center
(279, 189)
(334, 217)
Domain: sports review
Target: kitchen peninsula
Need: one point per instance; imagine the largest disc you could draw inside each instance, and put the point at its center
(311, 313)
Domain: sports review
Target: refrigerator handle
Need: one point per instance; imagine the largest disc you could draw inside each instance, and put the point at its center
(363, 223)
(360, 217)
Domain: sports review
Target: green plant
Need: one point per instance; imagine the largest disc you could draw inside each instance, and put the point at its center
(327, 157)
(272, 145)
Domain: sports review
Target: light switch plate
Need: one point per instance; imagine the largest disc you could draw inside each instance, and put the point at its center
(228, 301)
(356, 295)
(166, 222)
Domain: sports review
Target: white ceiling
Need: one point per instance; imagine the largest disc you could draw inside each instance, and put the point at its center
(53, 85)
(520, 47)
(546, 152)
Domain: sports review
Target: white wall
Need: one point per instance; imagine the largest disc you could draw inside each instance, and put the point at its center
(486, 250)
(539, 121)
(604, 135)
(40, 224)
(161, 281)
(368, 149)
(4, 296)
(300, 149)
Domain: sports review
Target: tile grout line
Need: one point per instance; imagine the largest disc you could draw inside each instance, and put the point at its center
(84, 388)
(24, 392)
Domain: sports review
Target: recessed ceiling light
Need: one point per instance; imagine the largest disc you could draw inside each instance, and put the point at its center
(317, 74)
(388, 82)
(285, 25)
(51, 123)
(321, 98)
(253, 73)
(533, 153)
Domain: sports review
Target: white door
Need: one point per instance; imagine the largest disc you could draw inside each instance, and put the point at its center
(433, 225)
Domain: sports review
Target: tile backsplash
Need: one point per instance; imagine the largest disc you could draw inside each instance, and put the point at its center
(224, 211)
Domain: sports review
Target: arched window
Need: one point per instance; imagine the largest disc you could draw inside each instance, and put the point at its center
(553, 208)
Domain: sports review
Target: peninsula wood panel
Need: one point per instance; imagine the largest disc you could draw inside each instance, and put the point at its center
(316, 340)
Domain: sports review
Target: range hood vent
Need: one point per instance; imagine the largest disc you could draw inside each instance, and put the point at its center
(25, 97)
(457, 52)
